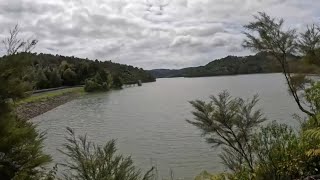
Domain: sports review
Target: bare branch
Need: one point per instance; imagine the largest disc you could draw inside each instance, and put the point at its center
(13, 44)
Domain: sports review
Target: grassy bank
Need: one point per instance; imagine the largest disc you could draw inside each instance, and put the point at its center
(41, 97)
(37, 104)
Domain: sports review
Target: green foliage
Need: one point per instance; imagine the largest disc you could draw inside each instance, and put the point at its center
(230, 65)
(271, 36)
(273, 151)
(46, 96)
(229, 123)
(102, 81)
(280, 153)
(42, 80)
(54, 78)
(117, 82)
(267, 34)
(48, 71)
(69, 77)
(12, 83)
(21, 155)
(88, 161)
(313, 96)
(91, 86)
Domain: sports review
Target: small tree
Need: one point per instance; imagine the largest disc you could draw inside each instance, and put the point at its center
(92, 162)
(267, 34)
(117, 82)
(55, 78)
(69, 77)
(21, 155)
(229, 123)
(41, 80)
(21, 145)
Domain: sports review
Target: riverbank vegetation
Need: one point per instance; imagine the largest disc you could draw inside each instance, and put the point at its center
(272, 151)
(51, 71)
(21, 145)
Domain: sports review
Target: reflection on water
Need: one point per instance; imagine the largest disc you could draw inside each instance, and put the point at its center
(149, 121)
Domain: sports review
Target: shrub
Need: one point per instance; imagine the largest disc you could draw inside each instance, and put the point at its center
(69, 77)
(91, 86)
(89, 161)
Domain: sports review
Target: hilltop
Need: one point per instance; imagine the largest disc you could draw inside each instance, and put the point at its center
(230, 65)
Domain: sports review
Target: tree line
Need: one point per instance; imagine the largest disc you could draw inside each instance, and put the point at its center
(262, 62)
(50, 71)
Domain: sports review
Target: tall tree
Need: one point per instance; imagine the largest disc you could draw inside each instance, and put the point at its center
(267, 34)
(21, 148)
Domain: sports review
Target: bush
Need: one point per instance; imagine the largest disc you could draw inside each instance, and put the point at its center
(69, 77)
(89, 161)
(117, 82)
(91, 86)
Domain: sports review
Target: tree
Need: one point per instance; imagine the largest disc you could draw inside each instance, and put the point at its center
(91, 86)
(21, 148)
(21, 155)
(42, 80)
(308, 44)
(272, 38)
(229, 123)
(13, 44)
(117, 82)
(88, 161)
(69, 77)
(55, 78)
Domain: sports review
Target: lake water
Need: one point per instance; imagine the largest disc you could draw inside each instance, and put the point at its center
(149, 121)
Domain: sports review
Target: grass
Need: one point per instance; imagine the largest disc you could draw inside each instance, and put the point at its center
(41, 97)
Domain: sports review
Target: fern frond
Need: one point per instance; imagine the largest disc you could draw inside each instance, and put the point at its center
(313, 133)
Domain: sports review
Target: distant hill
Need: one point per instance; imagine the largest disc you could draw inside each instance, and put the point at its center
(230, 65)
(50, 71)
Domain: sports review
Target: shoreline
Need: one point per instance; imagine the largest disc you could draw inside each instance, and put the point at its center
(34, 106)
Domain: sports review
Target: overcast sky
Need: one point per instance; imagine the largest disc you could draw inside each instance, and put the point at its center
(148, 34)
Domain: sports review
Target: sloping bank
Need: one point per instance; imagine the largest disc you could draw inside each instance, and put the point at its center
(38, 104)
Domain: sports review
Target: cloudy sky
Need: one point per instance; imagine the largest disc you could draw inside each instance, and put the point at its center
(146, 33)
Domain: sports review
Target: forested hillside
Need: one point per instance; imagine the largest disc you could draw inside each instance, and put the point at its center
(230, 65)
(49, 71)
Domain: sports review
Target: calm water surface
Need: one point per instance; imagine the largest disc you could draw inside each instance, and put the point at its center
(149, 121)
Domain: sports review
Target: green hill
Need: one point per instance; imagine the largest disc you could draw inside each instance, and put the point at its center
(49, 71)
(230, 65)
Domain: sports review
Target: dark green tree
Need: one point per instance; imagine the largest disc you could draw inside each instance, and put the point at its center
(117, 82)
(69, 77)
(21, 154)
(55, 78)
(42, 81)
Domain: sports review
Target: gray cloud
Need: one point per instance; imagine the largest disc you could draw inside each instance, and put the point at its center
(143, 33)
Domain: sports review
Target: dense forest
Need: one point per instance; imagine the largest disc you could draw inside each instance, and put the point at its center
(50, 71)
(231, 65)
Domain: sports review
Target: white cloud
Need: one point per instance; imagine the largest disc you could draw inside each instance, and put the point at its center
(147, 33)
